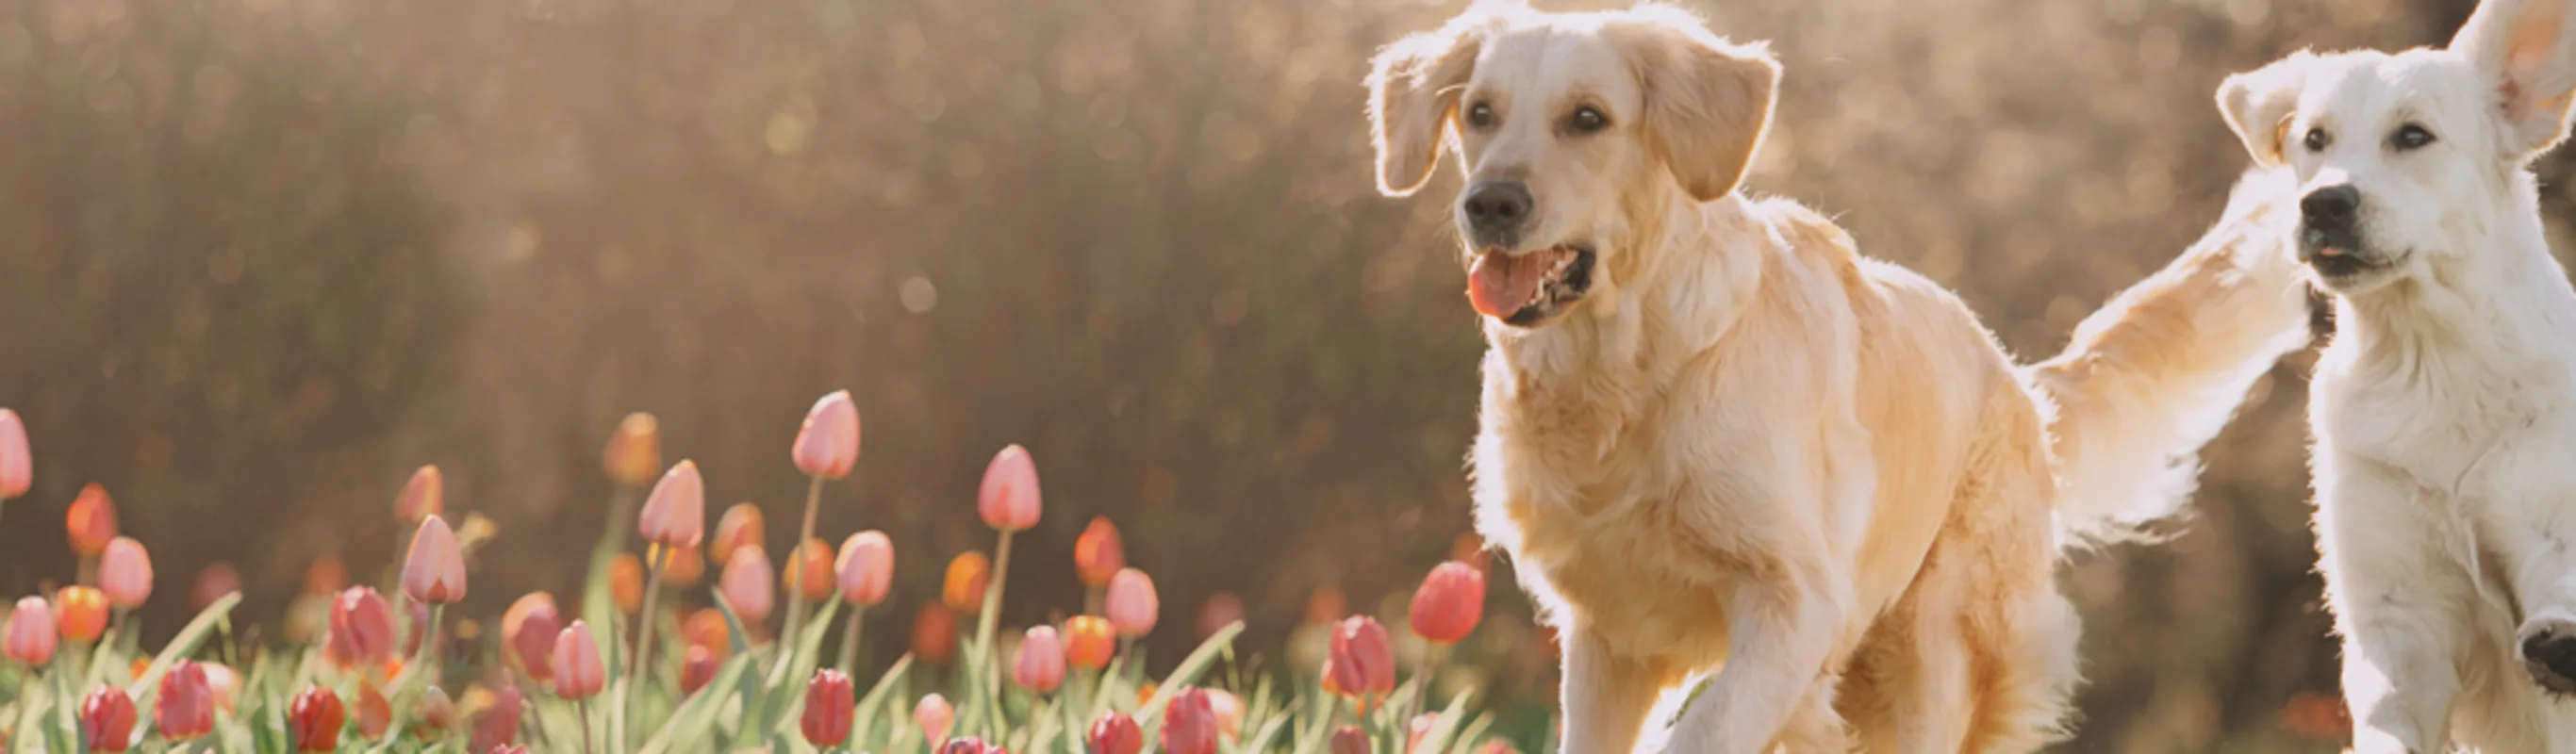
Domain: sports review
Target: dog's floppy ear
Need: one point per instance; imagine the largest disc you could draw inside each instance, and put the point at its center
(2527, 48)
(2258, 104)
(1413, 93)
(1708, 101)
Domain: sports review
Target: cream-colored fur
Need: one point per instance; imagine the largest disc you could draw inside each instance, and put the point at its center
(2444, 410)
(1744, 444)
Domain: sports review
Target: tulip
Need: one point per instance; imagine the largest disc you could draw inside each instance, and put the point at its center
(829, 708)
(1414, 731)
(626, 582)
(375, 712)
(221, 684)
(421, 497)
(214, 582)
(499, 726)
(530, 628)
(107, 720)
(828, 445)
(698, 669)
(80, 613)
(865, 568)
(741, 525)
(683, 566)
(1089, 641)
(1008, 500)
(1325, 606)
(707, 628)
(1132, 606)
(1349, 739)
(1098, 554)
(1115, 733)
(1362, 663)
(362, 628)
(125, 573)
(969, 577)
(575, 665)
(92, 521)
(326, 576)
(315, 719)
(1449, 603)
(934, 634)
(1190, 724)
(1040, 665)
(634, 451)
(676, 513)
(435, 570)
(1220, 610)
(746, 586)
(30, 637)
(808, 573)
(17, 470)
(1228, 710)
(186, 708)
(437, 715)
(933, 715)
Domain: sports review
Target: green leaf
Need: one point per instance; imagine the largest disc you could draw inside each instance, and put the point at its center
(789, 675)
(598, 604)
(876, 696)
(1442, 727)
(1475, 730)
(1260, 742)
(692, 727)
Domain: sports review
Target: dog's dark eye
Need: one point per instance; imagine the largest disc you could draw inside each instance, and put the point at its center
(2410, 137)
(2317, 140)
(1587, 120)
(1480, 115)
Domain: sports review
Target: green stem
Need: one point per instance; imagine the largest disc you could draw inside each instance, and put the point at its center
(850, 642)
(581, 708)
(987, 623)
(796, 561)
(397, 692)
(644, 620)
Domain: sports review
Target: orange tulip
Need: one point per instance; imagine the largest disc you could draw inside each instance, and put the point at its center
(683, 567)
(626, 582)
(422, 497)
(707, 628)
(1089, 641)
(969, 575)
(92, 521)
(934, 634)
(676, 513)
(375, 712)
(435, 569)
(828, 445)
(1098, 554)
(1008, 500)
(808, 572)
(740, 525)
(326, 576)
(1132, 606)
(746, 586)
(17, 471)
(634, 451)
(80, 613)
(865, 568)
(125, 573)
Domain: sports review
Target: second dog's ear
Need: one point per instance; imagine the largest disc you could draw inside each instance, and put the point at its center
(2258, 105)
(2527, 49)
(1708, 101)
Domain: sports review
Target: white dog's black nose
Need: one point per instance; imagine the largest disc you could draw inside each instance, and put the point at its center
(2332, 206)
(1496, 207)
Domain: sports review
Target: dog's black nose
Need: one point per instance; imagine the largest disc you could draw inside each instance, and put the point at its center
(2331, 206)
(1497, 205)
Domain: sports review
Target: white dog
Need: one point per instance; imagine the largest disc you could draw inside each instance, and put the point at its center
(2445, 408)
(1713, 433)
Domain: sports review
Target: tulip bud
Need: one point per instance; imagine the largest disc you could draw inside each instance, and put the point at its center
(707, 628)
(699, 669)
(530, 629)
(1362, 663)
(435, 570)
(315, 719)
(576, 672)
(30, 637)
(186, 708)
(107, 720)
(125, 573)
(1190, 724)
(362, 628)
(92, 521)
(1040, 666)
(829, 709)
(808, 572)
(1099, 553)
(970, 574)
(422, 497)
(634, 451)
(746, 586)
(1115, 733)
(676, 512)
(326, 576)
(740, 525)
(626, 582)
(80, 613)
(865, 568)
(1131, 605)
(683, 567)
(828, 445)
(1089, 641)
(933, 715)
(934, 634)
(1449, 603)
(1009, 498)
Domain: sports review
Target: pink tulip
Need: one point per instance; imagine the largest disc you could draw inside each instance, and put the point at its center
(362, 628)
(1131, 605)
(1009, 498)
(1190, 723)
(423, 496)
(435, 570)
(933, 715)
(1040, 666)
(186, 708)
(828, 445)
(30, 637)
(676, 513)
(125, 573)
(576, 667)
(17, 470)
(866, 568)
(746, 584)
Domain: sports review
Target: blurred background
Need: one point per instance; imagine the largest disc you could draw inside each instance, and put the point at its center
(261, 258)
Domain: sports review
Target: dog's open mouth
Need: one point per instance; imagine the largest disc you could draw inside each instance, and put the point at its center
(1526, 289)
(2338, 257)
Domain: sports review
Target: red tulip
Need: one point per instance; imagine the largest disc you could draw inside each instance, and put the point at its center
(80, 613)
(576, 669)
(1220, 610)
(17, 470)
(1009, 498)
(1363, 660)
(1449, 603)
(934, 634)
(1098, 554)
(865, 568)
(435, 570)
(530, 628)
(214, 582)
(829, 708)
(362, 628)
(499, 726)
(746, 585)
(1190, 724)
(740, 525)
(933, 715)
(125, 573)
(828, 445)
(634, 451)
(808, 572)
(1089, 641)
(1116, 733)
(92, 520)
(315, 719)
(30, 638)
(676, 513)
(1132, 606)
(186, 709)
(422, 497)
(1349, 739)
(699, 669)
(1040, 666)
(107, 720)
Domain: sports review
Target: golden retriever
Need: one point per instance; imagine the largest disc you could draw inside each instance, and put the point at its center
(2444, 409)
(1713, 433)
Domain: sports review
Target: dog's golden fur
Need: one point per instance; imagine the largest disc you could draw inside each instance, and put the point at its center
(1746, 444)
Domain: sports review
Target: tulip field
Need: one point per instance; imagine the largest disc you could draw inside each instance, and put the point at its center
(624, 667)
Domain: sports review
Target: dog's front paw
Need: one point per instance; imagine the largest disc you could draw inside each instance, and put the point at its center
(2548, 644)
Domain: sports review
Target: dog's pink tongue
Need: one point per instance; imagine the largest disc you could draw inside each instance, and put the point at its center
(1501, 284)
